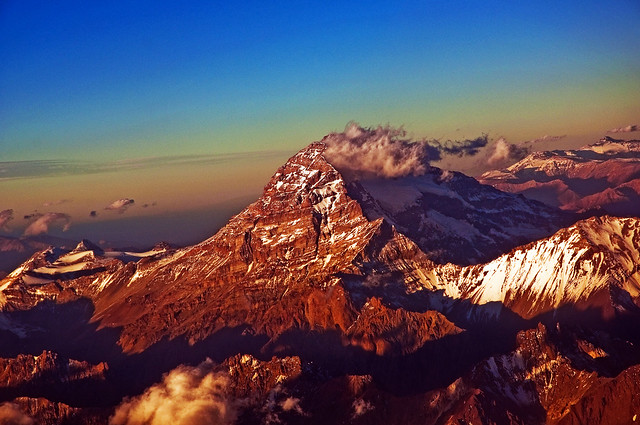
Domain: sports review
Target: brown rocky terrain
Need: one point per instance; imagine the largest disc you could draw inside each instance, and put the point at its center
(305, 308)
(603, 177)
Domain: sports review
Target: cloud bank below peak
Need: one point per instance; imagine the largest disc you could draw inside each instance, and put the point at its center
(186, 396)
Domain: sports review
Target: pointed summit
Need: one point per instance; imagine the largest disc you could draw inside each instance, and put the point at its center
(87, 245)
(305, 218)
(303, 231)
(306, 179)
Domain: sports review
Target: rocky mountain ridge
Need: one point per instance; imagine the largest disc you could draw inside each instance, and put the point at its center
(328, 272)
(604, 176)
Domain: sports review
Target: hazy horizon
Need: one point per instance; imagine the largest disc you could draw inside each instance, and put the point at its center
(188, 109)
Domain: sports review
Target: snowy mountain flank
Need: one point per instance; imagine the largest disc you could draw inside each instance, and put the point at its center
(425, 297)
(603, 176)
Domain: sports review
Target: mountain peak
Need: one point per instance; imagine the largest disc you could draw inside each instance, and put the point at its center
(86, 245)
(610, 146)
(600, 176)
(305, 179)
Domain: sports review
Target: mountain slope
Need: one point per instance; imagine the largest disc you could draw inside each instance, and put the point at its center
(271, 265)
(604, 175)
(268, 268)
(593, 263)
(455, 219)
(317, 296)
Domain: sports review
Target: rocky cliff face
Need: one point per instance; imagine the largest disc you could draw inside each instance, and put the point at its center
(45, 369)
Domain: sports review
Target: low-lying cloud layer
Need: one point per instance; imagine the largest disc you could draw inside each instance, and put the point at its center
(387, 152)
(545, 138)
(44, 168)
(5, 217)
(628, 129)
(10, 414)
(44, 221)
(186, 396)
(120, 205)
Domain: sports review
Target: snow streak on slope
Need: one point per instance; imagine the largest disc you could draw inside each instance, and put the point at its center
(570, 267)
(307, 231)
(605, 175)
(455, 219)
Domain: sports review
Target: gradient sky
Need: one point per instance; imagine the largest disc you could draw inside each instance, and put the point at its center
(115, 80)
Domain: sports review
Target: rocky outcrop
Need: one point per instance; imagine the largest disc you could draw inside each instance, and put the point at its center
(27, 411)
(27, 370)
(389, 332)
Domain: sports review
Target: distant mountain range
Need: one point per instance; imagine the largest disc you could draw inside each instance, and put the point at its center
(429, 298)
(603, 177)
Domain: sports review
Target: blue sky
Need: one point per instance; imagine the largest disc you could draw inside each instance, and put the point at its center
(189, 107)
(135, 79)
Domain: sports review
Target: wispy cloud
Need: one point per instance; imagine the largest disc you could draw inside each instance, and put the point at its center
(39, 168)
(628, 129)
(44, 221)
(292, 404)
(545, 138)
(503, 151)
(58, 202)
(186, 396)
(48, 168)
(5, 217)
(121, 205)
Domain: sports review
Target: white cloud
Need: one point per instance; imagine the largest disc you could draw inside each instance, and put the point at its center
(186, 396)
(44, 221)
(5, 217)
(380, 152)
(387, 152)
(500, 152)
(10, 414)
(292, 403)
(504, 153)
(120, 205)
(628, 129)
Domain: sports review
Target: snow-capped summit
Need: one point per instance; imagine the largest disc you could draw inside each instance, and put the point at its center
(610, 146)
(87, 245)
